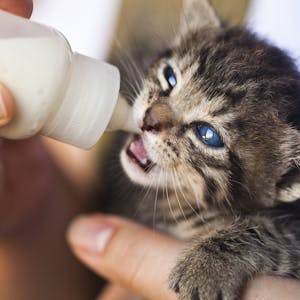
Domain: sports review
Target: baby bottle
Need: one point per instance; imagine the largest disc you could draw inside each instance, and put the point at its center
(64, 95)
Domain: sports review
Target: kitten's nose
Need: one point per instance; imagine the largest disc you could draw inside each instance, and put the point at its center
(157, 117)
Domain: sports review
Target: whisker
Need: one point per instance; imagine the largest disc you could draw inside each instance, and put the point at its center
(148, 189)
(176, 195)
(185, 199)
(171, 211)
(155, 201)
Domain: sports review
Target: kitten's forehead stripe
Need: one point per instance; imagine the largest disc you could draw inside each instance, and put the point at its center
(235, 95)
(221, 111)
(202, 63)
(225, 71)
(166, 54)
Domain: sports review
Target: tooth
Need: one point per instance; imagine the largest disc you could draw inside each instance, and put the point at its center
(144, 161)
(131, 146)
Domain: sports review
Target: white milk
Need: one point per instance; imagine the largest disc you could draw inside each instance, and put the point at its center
(67, 96)
(34, 69)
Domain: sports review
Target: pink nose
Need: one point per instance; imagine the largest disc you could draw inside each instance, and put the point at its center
(157, 117)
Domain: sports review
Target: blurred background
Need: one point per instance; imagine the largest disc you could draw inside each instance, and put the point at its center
(92, 27)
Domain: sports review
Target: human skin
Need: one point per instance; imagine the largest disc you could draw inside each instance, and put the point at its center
(19, 7)
(139, 260)
(135, 258)
(37, 200)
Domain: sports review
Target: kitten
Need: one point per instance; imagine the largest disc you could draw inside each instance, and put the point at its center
(219, 114)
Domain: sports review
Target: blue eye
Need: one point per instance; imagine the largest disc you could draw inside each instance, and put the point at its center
(170, 77)
(209, 136)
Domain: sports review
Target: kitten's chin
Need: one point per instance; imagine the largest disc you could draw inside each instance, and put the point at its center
(137, 164)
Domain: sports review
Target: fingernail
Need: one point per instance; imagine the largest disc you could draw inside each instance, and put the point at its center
(89, 233)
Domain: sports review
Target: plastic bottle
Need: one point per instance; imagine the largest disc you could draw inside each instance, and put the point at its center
(60, 94)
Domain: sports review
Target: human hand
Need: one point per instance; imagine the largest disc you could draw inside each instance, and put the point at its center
(18, 7)
(36, 202)
(140, 260)
(26, 170)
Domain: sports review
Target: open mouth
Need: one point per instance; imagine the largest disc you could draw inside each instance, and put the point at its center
(138, 154)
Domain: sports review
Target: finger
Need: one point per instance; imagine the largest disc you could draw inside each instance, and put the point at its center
(127, 254)
(7, 106)
(275, 288)
(19, 7)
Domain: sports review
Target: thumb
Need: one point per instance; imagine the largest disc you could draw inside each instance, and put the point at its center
(126, 253)
(7, 106)
(19, 7)
(7, 103)
(140, 259)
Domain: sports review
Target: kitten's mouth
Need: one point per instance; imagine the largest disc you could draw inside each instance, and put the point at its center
(138, 154)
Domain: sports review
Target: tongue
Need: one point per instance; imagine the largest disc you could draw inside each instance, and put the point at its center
(139, 151)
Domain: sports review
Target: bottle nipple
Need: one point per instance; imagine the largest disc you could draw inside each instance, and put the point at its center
(122, 118)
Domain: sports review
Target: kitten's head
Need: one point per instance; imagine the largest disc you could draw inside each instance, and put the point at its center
(218, 117)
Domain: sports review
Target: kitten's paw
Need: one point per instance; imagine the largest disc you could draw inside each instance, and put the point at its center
(207, 273)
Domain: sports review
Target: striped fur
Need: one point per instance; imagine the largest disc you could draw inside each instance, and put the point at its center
(237, 204)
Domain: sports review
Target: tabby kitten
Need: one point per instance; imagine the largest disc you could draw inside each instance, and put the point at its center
(219, 114)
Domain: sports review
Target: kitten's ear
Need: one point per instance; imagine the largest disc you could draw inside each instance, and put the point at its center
(197, 14)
